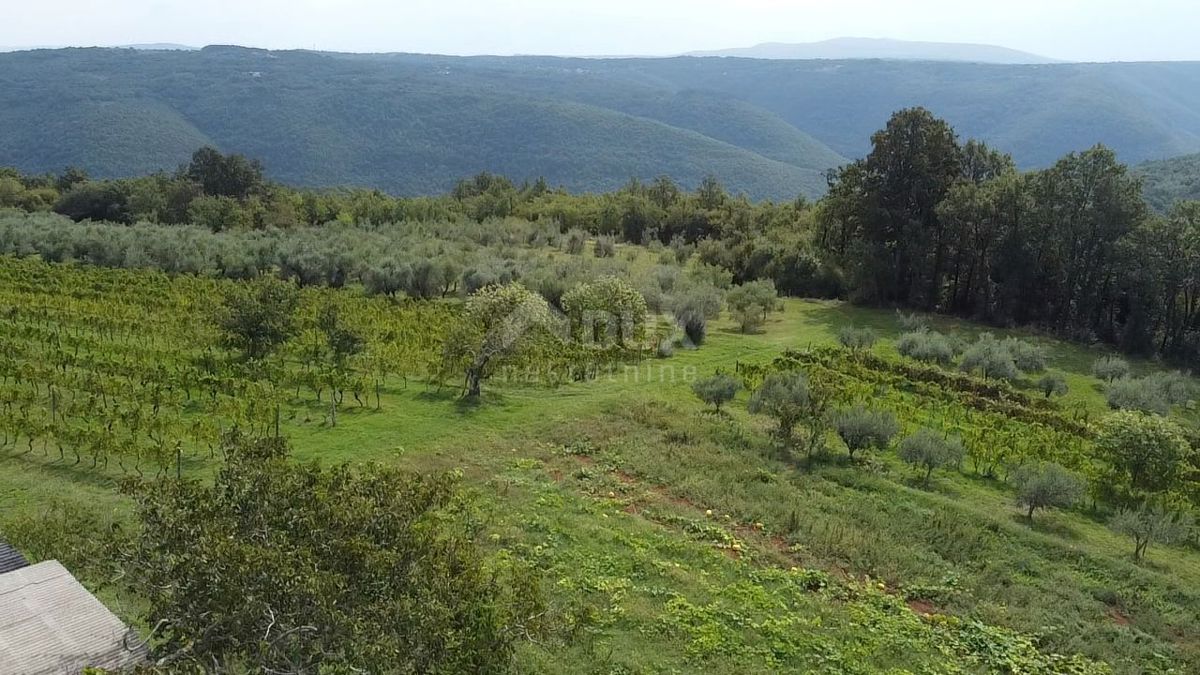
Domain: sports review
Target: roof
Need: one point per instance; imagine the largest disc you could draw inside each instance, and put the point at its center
(49, 623)
(11, 559)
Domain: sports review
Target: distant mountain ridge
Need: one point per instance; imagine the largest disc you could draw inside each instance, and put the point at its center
(414, 124)
(879, 48)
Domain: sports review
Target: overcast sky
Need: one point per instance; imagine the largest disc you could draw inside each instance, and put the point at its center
(1085, 30)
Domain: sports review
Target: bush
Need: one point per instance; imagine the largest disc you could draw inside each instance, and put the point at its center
(1053, 384)
(1110, 368)
(926, 346)
(1047, 486)
(717, 390)
(929, 450)
(693, 307)
(990, 358)
(575, 241)
(1146, 525)
(911, 323)
(1128, 393)
(864, 429)
(1028, 357)
(605, 247)
(750, 303)
(857, 339)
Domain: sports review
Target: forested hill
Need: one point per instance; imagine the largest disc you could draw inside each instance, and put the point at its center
(414, 124)
(1171, 180)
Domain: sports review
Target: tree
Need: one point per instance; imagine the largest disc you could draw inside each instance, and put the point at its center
(1046, 486)
(990, 358)
(96, 200)
(857, 339)
(751, 302)
(693, 307)
(926, 346)
(1140, 394)
(861, 428)
(1053, 384)
(278, 566)
(609, 305)
(926, 449)
(717, 390)
(219, 175)
(341, 343)
(499, 326)
(1028, 357)
(790, 398)
(1146, 525)
(258, 316)
(1110, 368)
(1145, 454)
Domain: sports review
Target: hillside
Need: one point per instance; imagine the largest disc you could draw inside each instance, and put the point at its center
(412, 124)
(878, 48)
(1171, 180)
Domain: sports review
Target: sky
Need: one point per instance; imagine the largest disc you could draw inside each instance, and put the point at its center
(1075, 30)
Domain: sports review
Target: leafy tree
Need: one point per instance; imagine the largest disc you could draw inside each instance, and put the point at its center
(1110, 368)
(693, 307)
(1028, 357)
(1053, 384)
(220, 175)
(607, 304)
(751, 302)
(717, 390)
(926, 449)
(861, 428)
(604, 247)
(218, 213)
(1146, 454)
(1046, 486)
(341, 343)
(1147, 525)
(278, 566)
(790, 398)
(499, 325)
(857, 339)
(926, 346)
(99, 200)
(258, 316)
(990, 358)
(1140, 394)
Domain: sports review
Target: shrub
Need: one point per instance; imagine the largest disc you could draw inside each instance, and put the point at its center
(1028, 357)
(863, 429)
(750, 303)
(1128, 393)
(717, 390)
(693, 307)
(990, 358)
(929, 450)
(1110, 368)
(911, 323)
(575, 241)
(605, 247)
(1146, 525)
(1053, 384)
(790, 399)
(926, 346)
(857, 339)
(1046, 486)
(1144, 453)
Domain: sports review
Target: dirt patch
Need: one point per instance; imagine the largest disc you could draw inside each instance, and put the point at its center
(921, 607)
(1118, 617)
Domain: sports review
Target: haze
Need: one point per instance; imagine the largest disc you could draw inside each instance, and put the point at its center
(1077, 30)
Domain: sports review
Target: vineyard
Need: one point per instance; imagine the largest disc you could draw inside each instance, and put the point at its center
(116, 368)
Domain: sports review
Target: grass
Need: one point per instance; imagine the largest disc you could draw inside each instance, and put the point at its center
(606, 486)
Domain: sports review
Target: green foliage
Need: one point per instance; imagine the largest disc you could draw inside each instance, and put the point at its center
(257, 318)
(1046, 486)
(607, 306)
(499, 326)
(861, 428)
(1168, 182)
(926, 346)
(1147, 525)
(791, 400)
(693, 307)
(929, 450)
(1146, 454)
(1029, 358)
(1053, 384)
(857, 339)
(751, 302)
(284, 566)
(1110, 368)
(1155, 393)
(991, 359)
(717, 390)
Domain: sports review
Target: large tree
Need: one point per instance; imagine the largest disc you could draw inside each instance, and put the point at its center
(499, 325)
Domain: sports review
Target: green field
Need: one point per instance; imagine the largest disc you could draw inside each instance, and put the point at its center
(690, 544)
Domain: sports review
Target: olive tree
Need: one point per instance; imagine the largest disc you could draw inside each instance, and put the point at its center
(693, 307)
(861, 428)
(606, 305)
(990, 358)
(857, 339)
(1145, 454)
(790, 399)
(1110, 368)
(717, 390)
(1147, 525)
(928, 450)
(1046, 486)
(1053, 384)
(926, 346)
(499, 325)
(751, 302)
